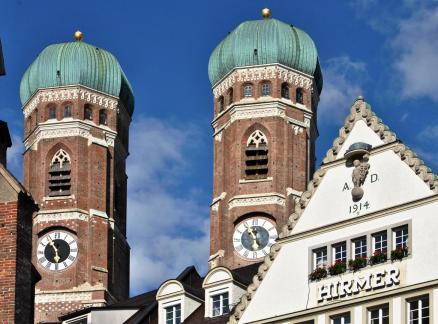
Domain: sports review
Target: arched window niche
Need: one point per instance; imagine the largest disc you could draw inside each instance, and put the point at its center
(103, 117)
(285, 90)
(60, 174)
(299, 97)
(247, 90)
(230, 96)
(265, 89)
(256, 156)
(67, 111)
(88, 112)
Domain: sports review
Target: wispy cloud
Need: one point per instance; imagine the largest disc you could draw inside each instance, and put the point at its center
(343, 81)
(165, 216)
(15, 156)
(428, 133)
(416, 44)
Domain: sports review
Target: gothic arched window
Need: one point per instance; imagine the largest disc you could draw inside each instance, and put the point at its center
(52, 112)
(247, 90)
(256, 156)
(67, 111)
(285, 90)
(266, 89)
(103, 118)
(59, 174)
(230, 96)
(299, 96)
(88, 112)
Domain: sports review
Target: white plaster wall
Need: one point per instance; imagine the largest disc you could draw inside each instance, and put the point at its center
(171, 288)
(360, 133)
(113, 316)
(190, 305)
(285, 288)
(396, 184)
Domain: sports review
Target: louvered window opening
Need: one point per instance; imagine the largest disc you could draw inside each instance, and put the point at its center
(256, 163)
(60, 175)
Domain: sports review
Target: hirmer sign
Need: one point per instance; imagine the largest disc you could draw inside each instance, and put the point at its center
(371, 281)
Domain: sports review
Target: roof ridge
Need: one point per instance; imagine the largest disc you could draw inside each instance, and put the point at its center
(360, 110)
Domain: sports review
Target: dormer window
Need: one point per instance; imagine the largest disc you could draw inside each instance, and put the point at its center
(173, 314)
(220, 304)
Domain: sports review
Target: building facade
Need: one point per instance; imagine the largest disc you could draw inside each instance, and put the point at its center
(77, 106)
(358, 249)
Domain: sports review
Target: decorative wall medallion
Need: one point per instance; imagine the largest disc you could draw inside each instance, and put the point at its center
(359, 154)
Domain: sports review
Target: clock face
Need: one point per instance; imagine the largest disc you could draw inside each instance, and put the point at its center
(57, 250)
(253, 237)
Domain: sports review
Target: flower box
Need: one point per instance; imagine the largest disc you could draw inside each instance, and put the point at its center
(318, 274)
(378, 257)
(399, 254)
(358, 263)
(337, 268)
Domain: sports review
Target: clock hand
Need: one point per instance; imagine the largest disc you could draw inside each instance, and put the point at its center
(253, 233)
(52, 244)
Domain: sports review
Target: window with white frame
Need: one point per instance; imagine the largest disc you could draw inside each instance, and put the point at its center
(266, 89)
(418, 310)
(380, 242)
(173, 314)
(359, 246)
(220, 304)
(320, 258)
(247, 90)
(340, 252)
(378, 315)
(400, 237)
(341, 319)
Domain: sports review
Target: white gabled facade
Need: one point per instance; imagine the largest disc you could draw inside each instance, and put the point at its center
(398, 209)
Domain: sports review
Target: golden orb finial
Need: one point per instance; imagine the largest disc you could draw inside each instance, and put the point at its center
(79, 36)
(266, 13)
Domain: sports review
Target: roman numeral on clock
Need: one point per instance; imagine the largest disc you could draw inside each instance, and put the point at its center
(71, 258)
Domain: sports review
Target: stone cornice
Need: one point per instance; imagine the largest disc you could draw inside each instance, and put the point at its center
(257, 199)
(263, 72)
(68, 128)
(70, 93)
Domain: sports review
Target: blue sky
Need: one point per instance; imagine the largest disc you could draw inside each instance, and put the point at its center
(384, 50)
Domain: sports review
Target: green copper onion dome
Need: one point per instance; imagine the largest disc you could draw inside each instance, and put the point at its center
(77, 63)
(265, 41)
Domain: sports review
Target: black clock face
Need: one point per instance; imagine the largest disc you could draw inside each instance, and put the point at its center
(57, 250)
(63, 249)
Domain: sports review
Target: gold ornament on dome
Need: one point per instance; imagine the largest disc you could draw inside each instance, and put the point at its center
(266, 13)
(79, 36)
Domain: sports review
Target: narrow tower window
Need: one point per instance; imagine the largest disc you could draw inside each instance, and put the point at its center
(88, 112)
(266, 89)
(247, 90)
(221, 103)
(52, 112)
(285, 90)
(67, 111)
(59, 174)
(103, 119)
(230, 96)
(256, 164)
(299, 95)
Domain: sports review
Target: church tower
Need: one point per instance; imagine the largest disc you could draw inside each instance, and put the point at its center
(77, 106)
(266, 82)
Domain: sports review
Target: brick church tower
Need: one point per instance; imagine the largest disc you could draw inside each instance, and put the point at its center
(266, 83)
(77, 105)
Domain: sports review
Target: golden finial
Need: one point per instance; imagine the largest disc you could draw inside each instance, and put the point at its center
(78, 35)
(266, 13)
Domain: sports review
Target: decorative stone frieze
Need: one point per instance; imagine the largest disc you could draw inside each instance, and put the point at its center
(257, 199)
(70, 93)
(263, 73)
(57, 216)
(253, 112)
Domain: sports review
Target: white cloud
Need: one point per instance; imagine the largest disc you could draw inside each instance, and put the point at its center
(15, 156)
(416, 46)
(429, 133)
(167, 231)
(343, 79)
